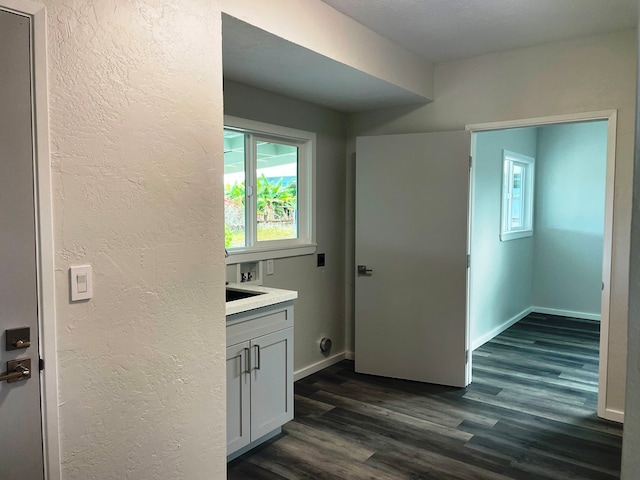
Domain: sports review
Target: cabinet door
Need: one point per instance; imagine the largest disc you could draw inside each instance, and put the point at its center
(271, 382)
(238, 397)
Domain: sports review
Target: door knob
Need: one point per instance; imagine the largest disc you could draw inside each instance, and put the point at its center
(363, 270)
(17, 370)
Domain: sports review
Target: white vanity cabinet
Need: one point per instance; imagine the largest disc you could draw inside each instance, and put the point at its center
(259, 375)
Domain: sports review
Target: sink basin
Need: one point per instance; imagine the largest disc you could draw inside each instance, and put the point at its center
(240, 294)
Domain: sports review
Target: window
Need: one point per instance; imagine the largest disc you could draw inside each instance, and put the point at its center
(268, 190)
(517, 196)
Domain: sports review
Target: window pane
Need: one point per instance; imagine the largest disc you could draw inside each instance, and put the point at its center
(277, 191)
(517, 203)
(234, 196)
(517, 196)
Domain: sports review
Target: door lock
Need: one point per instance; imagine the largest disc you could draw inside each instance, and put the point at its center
(18, 338)
(17, 370)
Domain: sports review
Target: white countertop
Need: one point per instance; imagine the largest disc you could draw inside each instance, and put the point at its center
(270, 296)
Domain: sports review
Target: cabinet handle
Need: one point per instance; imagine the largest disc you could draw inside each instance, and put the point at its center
(258, 362)
(247, 360)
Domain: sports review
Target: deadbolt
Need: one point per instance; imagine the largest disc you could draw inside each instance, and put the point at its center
(18, 338)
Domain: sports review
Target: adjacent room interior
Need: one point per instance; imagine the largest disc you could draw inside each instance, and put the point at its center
(557, 267)
(555, 272)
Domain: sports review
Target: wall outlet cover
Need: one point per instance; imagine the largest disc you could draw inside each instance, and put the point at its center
(321, 259)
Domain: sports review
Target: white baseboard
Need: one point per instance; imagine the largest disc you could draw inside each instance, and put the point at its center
(316, 367)
(478, 342)
(566, 313)
(350, 355)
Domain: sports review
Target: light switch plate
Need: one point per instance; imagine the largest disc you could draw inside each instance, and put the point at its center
(81, 283)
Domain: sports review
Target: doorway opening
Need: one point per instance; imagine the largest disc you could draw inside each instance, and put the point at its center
(559, 272)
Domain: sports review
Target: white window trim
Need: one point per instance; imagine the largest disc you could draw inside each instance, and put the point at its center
(527, 198)
(305, 244)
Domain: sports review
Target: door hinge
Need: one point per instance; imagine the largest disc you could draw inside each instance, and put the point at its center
(41, 364)
(468, 261)
(466, 356)
(470, 162)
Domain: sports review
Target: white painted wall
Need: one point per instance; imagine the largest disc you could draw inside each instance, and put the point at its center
(589, 74)
(322, 29)
(135, 95)
(319, 309)
(501, 272)
(569, 217)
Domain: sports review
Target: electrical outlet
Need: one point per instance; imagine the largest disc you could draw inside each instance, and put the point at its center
(270, 267)
(321, 259)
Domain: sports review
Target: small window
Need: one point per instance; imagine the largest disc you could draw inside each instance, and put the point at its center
(517, 196)
(268, 187)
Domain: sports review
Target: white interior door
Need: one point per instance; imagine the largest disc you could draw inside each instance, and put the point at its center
(411, 231)
(20, 418)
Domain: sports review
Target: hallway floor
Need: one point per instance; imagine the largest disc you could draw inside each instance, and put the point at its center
(529, 414)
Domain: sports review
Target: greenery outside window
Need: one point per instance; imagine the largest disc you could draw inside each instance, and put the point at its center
(268, 190)
(517, 196)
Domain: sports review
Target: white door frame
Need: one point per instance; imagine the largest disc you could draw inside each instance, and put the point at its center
(611, 116)
(44, 233)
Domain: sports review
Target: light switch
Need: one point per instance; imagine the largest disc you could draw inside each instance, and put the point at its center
(81, 283)
(81, 278)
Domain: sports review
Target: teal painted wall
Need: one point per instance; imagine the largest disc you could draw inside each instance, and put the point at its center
(502, 272)
(560, 267)
(569, 216)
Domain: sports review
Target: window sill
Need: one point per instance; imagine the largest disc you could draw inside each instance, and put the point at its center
(515, 235)
(241, 255)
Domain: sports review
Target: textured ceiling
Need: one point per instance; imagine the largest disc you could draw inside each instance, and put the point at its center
(441, 30)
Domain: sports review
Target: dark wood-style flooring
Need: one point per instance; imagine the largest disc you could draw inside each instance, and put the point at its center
(529, 414)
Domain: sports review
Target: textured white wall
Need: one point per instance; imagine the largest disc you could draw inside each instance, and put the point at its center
(502, 274)
(590, 74)
(319, 309)
(322, 29)
(136, 117)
